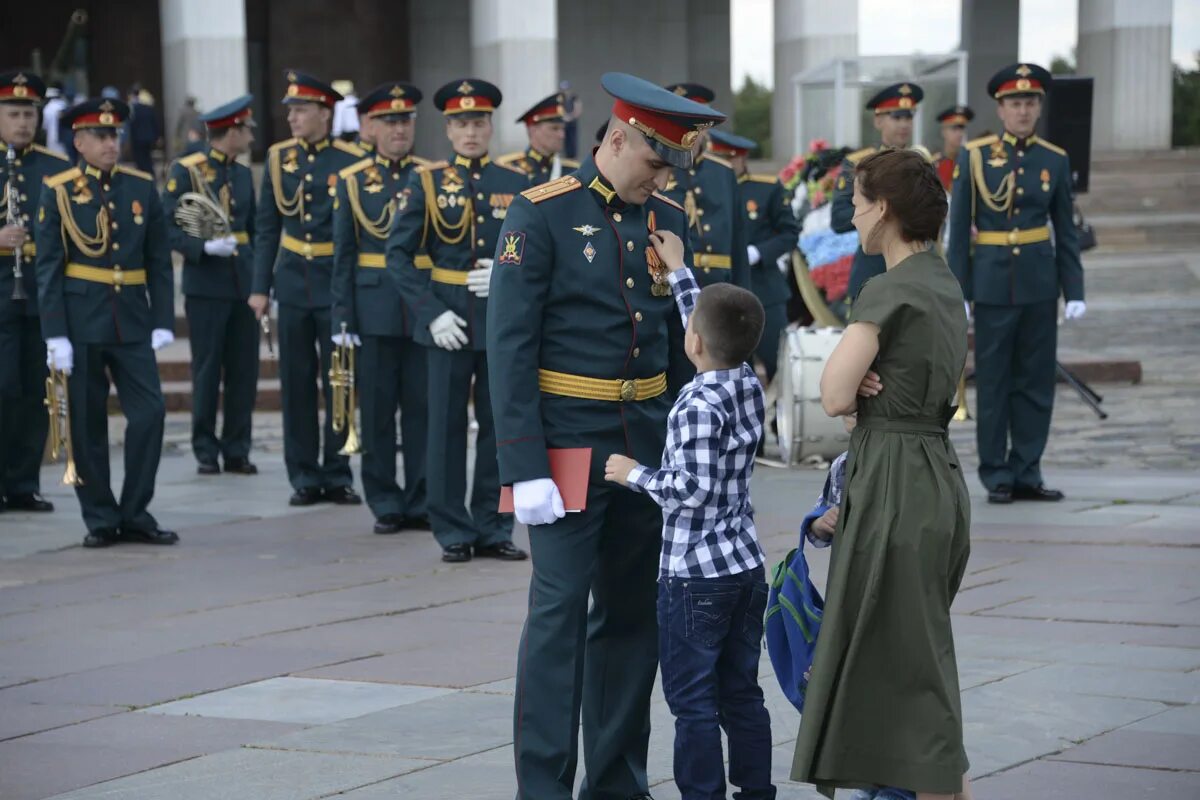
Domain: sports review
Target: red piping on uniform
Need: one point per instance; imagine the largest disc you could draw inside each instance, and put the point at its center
(632, 321)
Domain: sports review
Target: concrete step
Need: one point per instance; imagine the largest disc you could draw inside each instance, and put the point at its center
(175, 362)
(178, 396)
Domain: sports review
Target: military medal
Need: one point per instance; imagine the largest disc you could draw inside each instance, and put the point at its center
(654, 264)
(999, 155)
(751, 209)
(1045, 176)
(136, 208)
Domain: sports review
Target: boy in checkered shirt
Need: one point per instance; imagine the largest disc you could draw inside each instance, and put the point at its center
(712, 589)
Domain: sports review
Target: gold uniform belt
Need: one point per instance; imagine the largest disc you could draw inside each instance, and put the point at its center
(29, 250)
(712, 261)
(453, 277)
(241, 236)
(614, 390)
(1018, 236)
(113, 277)
(372, 260)
(423, 262)
(307, 249)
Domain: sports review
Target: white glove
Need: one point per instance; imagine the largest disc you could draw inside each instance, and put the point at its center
(784, 262)
(479, 280)
(222, 247)
(537, 502)
(967, 308)
(160, 338)
(1075, 309)
(447, 331)
(753, 254)
(60, 354)
(341, 339)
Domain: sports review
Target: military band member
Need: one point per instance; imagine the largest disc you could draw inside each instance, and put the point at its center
(894, 108)
(579, 347)
(216, 283)
(455, 210)
(771, 232)
(545, 124)
(23, 420)
(954, 130)
(293, 252)
(365, 139)
(391, 366)
(1019, 187)
(106, 292)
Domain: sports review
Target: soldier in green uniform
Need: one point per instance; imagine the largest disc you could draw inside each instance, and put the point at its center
(293, 252)
(391, 366)
(772, 233)
(216, 283)
(1013, 189)
(894, 108)
(23, 420)
(106, 292)
(454, 211)
(579, 347)
(542, 161)
(954, 130)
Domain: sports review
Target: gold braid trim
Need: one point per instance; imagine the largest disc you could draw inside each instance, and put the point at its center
(289, 207)
(448, 233)
(90, 246)
(1000, 200)
(379, 227)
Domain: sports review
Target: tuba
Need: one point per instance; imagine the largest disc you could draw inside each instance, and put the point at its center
(345, 395)
(199, 215)
(58, 404)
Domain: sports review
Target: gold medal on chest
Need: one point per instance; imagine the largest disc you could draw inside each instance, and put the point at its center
(999, 156)
(1045, 176)
(291, 161)
(136, 208)
(654, 264)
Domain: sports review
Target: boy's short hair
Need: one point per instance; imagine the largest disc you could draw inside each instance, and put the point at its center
(730, 320)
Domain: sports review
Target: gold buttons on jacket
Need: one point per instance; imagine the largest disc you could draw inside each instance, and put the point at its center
(637, 351)
(637, 315)
(480, 218)
(308, 217)
(480, 242)
(707, 227)
(308, 178)
(116, 245)
(629, 281)
(616, 216)
(629, 246)
(1016, 251)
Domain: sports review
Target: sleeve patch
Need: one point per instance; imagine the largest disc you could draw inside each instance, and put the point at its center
(514, 248)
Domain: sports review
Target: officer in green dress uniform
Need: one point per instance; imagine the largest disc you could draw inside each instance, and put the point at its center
(772, 232)
(894, 108)
(106, 292)
(579, 347)
(293, 251)
(454, 211)
(23, 420)
(216, 283)
(1014, 273)
(954, 130)
(391, 366)
(542, 161)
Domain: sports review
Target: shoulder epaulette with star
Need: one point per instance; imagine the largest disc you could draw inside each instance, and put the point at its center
(430, 166)
(761, 178)
(285, 143)
(62, 177)
(349, 147)
(137, 173)
(538, 194)
(1053, 148)
(511, 168)
(357, 166)
(982, 141)
(421, 162)
(667, 200)
(509, 158)
(859, 155)
(193, 159)
(47, 151)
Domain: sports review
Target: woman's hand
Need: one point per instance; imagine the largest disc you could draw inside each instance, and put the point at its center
(871, 385)
(824, 526)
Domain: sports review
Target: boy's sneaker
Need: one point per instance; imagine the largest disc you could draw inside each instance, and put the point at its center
(889, 793)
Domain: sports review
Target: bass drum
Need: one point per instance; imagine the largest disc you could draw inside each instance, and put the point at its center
(804, 427)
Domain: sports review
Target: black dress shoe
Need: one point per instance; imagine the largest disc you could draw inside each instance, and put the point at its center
(505, 551)
(1001, 495)
(456, 553)
(101, 537)
(1039, 492)
(389, 523)
(308, 496)
(240, 466)
(208, 468)
(415, 524)
(28, 502)
(343, 496)
(153, 536)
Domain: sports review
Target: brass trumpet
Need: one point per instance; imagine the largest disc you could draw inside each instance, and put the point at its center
(58, 405)
(962, 413)
(345, 395)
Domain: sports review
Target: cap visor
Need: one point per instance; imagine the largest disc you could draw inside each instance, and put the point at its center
(676, 158)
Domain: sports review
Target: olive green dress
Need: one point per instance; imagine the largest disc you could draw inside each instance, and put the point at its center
(882, 707)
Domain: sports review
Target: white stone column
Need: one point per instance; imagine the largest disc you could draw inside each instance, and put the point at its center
(809, 33)
(514, 45)
(203, 55)
(1126, 46)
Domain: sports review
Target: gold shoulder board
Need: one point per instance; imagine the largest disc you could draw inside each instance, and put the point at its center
(62, 177)
(357, 166)
(47, 151)
(859, 155)
(193, 159)
(1053, 148)
(667, 200)
(982, 141)
(717, 160)
(137, 173)
(349, 147)
(284, 143)
(538, 194)
(760, 178)
(430, 166)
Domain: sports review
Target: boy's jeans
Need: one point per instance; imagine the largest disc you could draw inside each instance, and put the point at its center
(710, 640)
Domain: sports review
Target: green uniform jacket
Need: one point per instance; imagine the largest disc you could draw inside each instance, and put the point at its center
(72, 206)
(33, 165)
(715, 222)
(231, 186)
(453, 211)
(1029, 182)
(363, 296)
(841, 219)
(537, 166)
(772, 228)
(297, 201)
(571, 293)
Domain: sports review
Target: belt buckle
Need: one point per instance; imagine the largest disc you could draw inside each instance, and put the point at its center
(118, 279)
(1012, 237)
(628, 391)
(308, 249)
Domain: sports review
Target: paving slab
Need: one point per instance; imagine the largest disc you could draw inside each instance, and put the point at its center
(1058, 780)
(1183, 720)
(22, 719)
(1166, 687)
(485, 775)
(1129, 748)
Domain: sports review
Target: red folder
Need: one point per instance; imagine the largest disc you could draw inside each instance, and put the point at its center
(569, 467)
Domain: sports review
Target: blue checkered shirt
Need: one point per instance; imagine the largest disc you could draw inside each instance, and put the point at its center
(703, 484)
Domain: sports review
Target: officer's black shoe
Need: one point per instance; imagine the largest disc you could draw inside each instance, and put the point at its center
(1002, 495)
(641, 797)
(505, 551)
(208, 468)
(343, 496)
(101, 537)
(153, 536)
(240, 466)
(1039, 492)
(308, 496)
(28, 502)
(415, 524)
(389, 523)
(456, 553)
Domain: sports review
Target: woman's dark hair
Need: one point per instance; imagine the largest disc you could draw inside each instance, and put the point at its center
(910, 186)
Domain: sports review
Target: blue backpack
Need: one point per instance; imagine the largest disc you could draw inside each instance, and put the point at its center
(794, 611)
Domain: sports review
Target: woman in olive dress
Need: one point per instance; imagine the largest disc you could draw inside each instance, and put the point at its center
(882, 706)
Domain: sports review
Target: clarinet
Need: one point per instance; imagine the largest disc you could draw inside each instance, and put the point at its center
(14, 218)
